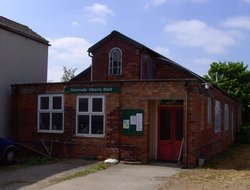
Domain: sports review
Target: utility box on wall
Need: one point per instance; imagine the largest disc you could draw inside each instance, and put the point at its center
(132, 122)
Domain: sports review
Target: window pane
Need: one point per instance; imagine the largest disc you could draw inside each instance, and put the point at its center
(44, 102)
(44, 121)
(97, 124)
(115, 61)
(83, 124)
(226, 117)
(57, 102)
(97, 105)
(209, 110)
(116, 64)
(115, 71)
(83, 105)
(217, 116)
(165, 124)
(57, 120)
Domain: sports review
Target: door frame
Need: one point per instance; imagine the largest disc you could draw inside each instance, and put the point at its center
(158, 123)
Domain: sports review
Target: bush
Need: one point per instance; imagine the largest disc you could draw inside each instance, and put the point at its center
(244, 135)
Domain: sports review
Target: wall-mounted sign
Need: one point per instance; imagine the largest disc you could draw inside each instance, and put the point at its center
(102, 89)
(132, 122)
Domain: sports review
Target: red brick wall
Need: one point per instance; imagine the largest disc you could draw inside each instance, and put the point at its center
(115, 144)
(137, 95)
(136, 64)
(167, 71)
(130, 61)
(202, 141)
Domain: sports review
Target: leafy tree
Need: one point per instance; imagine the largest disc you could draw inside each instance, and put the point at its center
(234, 78)
(68, 74)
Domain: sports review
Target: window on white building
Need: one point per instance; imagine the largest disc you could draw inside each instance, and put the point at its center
(115, 61)
(90, 116)
(50, 113)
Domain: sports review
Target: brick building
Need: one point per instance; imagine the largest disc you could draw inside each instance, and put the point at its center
(131, 104)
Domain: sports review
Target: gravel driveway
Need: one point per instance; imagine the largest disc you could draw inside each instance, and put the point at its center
(121, 176)
(38, 177)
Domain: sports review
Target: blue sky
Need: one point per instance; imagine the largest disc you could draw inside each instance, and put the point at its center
(193, 33)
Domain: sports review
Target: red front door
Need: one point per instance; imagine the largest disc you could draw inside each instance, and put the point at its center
(170, 133)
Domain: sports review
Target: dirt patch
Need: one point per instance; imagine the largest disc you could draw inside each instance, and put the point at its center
(228, 171)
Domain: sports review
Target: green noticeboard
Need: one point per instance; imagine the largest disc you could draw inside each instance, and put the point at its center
(132, 122)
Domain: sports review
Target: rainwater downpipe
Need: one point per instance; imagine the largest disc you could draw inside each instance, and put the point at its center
(186, 130)
(91, 70)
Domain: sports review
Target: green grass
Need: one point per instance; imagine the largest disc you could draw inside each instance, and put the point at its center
(6, 184)
(34, 161)
(86, 171)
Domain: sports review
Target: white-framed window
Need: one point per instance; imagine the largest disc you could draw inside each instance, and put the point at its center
(226, 117)
(50, 113)
(232, 123)
(90, 120)
(209, 110)
(217, 122)
(115, 61)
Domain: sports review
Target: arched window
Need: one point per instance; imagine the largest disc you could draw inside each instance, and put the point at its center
(115, 61)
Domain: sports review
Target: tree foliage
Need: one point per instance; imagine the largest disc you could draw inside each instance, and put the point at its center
(234, 78)
(68, 74)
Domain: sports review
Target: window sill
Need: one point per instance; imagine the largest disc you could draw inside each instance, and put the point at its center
(89, 136)
(109, 76)
(50, 131)
(217, 131)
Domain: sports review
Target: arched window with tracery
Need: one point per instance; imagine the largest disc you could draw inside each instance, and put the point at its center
(115, 61)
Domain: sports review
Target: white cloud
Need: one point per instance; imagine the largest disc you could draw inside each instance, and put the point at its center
(162, 50)
(154, 3)
(70, 52)
(246, 1)
(157, 3)
(55, 73)
(75, 24)
(98, 13)
(204, 61)
(239, 22)
(195, 33)
(199, 1)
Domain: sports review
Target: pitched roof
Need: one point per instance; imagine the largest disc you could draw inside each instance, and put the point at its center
(138, 45)
(81, 75)
(146, 50)
(22, 30)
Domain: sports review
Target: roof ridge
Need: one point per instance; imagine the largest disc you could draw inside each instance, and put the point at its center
(146, 49)
(21, 29)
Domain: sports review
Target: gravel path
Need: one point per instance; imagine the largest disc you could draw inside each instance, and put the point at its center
(38, 177)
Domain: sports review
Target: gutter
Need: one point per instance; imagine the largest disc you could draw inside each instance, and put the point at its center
(91, 70)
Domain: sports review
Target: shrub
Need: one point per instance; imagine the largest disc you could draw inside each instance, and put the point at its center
(244, 135)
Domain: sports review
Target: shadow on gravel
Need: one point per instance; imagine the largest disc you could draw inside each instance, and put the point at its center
(13, 178)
